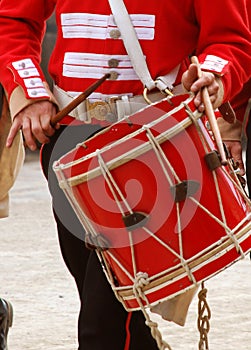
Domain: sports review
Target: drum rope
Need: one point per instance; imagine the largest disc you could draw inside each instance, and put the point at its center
(222, 224)
(182, 259)
(204, 316)
(76, 207)
(198, 128)
(230, 233)
(161, 156)
(121, 266)
(184, 263)
(235, 181)
(132, 253)
(112, 184)
(142, 280)
(242, 222)
(162, 243)
(237, 185)
(159, 152)
(107, 271)
(91, 238)
(216, 183)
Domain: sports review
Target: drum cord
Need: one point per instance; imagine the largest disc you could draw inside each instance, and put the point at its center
(140, 282)
(204, 316)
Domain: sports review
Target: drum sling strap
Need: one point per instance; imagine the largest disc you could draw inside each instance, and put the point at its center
(133, 48)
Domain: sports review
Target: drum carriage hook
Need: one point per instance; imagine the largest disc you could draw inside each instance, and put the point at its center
(145, 94)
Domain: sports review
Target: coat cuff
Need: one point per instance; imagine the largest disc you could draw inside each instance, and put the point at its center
(214, 64)
(18, 100)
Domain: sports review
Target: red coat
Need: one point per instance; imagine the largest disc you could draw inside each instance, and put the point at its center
(169, 31)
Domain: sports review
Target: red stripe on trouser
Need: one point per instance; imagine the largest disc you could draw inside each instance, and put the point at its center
(128, 334)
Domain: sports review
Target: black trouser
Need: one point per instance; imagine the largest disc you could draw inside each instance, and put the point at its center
(102, 319)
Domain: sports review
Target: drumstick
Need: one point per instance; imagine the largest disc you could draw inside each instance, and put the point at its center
(74, 103)
(211, 116)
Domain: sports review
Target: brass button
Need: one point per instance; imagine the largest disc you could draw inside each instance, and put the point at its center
(115, 34)
(113, 63)
(22, 65)
(113, 75)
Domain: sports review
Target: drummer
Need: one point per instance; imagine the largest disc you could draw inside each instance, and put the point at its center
(88, 45)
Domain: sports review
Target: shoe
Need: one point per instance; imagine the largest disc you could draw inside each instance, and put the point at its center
(6, 319)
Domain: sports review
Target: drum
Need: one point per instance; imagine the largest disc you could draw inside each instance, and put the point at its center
(156, 203)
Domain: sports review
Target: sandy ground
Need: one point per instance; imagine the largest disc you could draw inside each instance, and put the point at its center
(34, 278)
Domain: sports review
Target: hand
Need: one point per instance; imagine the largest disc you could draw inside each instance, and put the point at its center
(192, 83)
(235, 150)
(34, 121)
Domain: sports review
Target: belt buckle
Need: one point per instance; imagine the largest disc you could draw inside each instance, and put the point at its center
(101, 110)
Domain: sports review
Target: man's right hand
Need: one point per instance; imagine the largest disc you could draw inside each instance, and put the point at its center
(235, 150)
(34, 121)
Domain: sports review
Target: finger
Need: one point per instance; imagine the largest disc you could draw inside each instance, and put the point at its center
(190, 76)
(235, 150)
(198, 102)
(212, 92)
(200, 105)
(201, 108)
(37, 130)
(47, 128)
(28, 136)
(240, 165)
(12, 133)
(206, 80)
(57, 126)
(213, 88)
(242, 170)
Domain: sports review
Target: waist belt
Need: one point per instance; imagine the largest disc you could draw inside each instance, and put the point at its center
(109, 109)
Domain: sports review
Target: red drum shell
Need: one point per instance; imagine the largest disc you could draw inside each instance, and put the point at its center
(134, 166)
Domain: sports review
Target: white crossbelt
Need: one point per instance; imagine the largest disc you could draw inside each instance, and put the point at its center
(134, 50)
